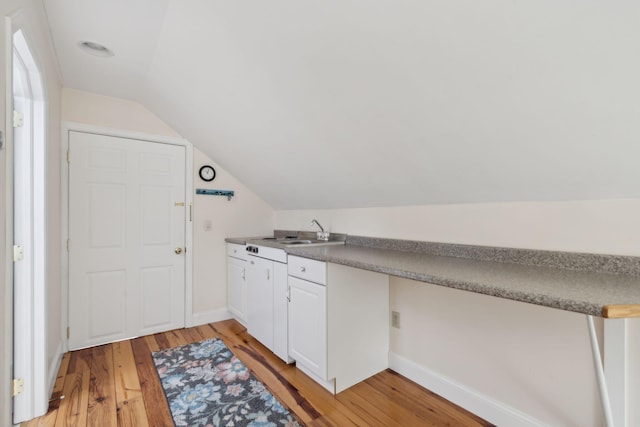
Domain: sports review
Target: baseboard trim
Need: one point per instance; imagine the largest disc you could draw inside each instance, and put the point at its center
(210, 316)
(483, 406)
(52, 374)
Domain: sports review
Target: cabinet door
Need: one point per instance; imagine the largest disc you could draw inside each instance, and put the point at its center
(308, 325)
(280, 312)
(260, 300)
(237, 288)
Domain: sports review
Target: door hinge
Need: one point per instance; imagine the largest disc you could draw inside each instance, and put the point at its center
(68, 332)
(68, 244)
(68, 156)
(18, 119)
(17, 386)
(18, 253)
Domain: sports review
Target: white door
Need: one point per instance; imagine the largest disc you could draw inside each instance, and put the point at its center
(126, 238)
(260, 300)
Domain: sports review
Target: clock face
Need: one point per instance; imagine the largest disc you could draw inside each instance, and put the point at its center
(207, 173)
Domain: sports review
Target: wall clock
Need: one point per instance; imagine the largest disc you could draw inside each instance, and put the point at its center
(207, 173)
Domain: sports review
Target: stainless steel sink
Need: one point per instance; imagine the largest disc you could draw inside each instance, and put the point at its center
(301, 242)
(295, 242)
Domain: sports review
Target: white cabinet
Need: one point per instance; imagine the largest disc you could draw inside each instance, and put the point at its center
(267, 304)
(236, 282)
(280, 314)
(338, 322)
(237, 288)
(308, 269)
(308, 325)
(260, 300)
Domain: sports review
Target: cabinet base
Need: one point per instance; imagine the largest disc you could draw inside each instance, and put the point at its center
(330, 385)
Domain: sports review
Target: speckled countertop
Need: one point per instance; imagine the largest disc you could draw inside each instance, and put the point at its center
(241, 240)
(600, 285)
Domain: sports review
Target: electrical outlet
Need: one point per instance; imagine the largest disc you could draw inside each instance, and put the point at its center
(395, 319)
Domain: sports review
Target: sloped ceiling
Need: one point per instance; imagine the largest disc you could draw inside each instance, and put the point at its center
(353, 103)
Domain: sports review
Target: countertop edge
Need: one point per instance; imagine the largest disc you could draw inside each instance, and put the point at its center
(620, 311)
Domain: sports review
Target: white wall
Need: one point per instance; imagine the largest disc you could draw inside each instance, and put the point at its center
(595, 226)
(534, 359)
(105, 111)
(37, 36)
(244, 215)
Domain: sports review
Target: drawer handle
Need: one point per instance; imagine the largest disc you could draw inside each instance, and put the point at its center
(302, 269)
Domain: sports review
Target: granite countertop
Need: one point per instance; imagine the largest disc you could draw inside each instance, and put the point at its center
(599, 285)
(280, 237)
(242, 240)
(594, 293)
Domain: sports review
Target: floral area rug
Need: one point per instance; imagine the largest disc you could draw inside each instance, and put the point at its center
(206, 385)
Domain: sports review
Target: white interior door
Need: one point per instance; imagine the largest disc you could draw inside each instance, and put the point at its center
(126, 238)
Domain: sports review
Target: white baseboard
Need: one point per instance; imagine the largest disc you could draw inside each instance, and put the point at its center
(483, 406)
(209, 317)
(52, 373)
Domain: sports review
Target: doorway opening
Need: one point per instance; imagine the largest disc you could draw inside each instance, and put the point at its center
(29, 311)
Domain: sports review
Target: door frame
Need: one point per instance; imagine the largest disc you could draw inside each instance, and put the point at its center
(64, 168)
(29, 337)
(6, 311)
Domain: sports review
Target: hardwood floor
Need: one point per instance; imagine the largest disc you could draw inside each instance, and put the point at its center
(117, 385)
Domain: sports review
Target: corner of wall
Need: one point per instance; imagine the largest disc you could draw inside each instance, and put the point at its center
(55, 360)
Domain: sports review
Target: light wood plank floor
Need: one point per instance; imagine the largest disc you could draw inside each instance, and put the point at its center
(116, 385)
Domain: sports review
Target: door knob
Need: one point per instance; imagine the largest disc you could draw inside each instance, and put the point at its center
(178, 251)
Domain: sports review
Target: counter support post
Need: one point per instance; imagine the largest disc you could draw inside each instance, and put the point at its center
(602, 383)
(616, 368)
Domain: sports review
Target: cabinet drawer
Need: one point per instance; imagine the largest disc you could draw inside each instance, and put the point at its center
(236, 251)
(308, 269)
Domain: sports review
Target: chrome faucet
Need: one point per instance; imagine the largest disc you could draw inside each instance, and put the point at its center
(315, 221)
(322, 235)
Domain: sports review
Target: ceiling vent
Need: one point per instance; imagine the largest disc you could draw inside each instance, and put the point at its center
(96, 49)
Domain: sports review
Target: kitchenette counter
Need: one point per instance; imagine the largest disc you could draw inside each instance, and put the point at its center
(241, 240)
(599, 285)
(282, 238)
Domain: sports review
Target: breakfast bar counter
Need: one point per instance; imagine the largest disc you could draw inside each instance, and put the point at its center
(597, 293)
